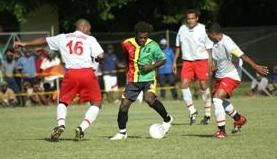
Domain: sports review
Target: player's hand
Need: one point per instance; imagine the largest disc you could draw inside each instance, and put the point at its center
(19, 44)
(174, 68)
(262, 69)
(146, 68)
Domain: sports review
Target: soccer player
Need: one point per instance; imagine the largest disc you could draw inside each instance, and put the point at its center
(80, 51)
(228, 77)
(192, 40)
(144, 57)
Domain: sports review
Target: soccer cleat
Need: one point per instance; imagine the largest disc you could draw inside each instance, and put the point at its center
(193, 117)
(167, 125)
(119, 136)
(56, 133)
(220, 134)
(205, 120)
(79, 134)
(238, 124)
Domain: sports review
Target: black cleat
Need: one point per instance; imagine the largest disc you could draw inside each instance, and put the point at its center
(205, 120)
(79, 134)
(193, 118)
(56, 133)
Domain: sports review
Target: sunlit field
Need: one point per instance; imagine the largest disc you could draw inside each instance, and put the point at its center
(24, 133)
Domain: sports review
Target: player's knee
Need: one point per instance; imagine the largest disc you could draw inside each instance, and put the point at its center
(150, 99)
(124, 106)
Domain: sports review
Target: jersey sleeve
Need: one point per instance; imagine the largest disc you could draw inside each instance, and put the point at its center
(208, 42)
(233, 48)
(96, 48)
(178, 38)
(54, 42)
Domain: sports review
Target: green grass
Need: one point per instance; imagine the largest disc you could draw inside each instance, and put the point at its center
(24, 132)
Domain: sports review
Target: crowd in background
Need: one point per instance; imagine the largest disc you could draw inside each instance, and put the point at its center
(31, 77)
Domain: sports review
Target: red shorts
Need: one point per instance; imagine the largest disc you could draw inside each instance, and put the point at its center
(198, 69)
(80, 81)
(227, 84)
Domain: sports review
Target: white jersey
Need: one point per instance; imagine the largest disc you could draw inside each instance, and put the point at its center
(194, 42)
(222, 53)
(78, 50)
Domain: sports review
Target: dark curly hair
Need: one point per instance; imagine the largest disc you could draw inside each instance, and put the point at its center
(143, 27)
(214, 27)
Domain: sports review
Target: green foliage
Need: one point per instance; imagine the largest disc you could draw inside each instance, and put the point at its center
(23, 133)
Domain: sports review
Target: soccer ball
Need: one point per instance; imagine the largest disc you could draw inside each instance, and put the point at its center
(156, 131)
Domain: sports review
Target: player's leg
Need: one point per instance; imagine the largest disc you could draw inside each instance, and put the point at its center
(187, 75)
(206, 97)
(239, 120)
(218, 97)
(130, 94)
(201, 68)
(152, 100)
(89, 92)
(68, 92)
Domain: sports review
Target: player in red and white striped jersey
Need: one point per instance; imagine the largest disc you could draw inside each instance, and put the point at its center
(80, 51)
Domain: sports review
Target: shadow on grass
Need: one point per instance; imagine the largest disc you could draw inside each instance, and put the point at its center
(180, 124)
(199, 135)
(49, 140)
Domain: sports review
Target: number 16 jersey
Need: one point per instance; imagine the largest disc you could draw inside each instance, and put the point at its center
(77, 49)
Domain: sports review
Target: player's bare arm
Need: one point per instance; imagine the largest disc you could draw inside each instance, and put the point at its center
(259, 68)
(100, 57)
(177, 53)
(35, 42)
(157, 64)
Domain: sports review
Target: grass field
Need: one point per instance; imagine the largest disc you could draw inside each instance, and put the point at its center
(24, 133)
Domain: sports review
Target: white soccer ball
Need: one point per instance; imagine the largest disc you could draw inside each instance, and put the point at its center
(156, 131)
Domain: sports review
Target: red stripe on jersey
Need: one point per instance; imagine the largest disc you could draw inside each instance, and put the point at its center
(129, 49)
(221, 121)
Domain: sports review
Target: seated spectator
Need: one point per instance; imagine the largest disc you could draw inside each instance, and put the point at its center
(7, 95)
(259, 86)
(272, 85)
(34, 93)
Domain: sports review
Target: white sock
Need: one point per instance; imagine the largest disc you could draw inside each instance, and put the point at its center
(206, 96)
(187, 97)
(229, 108)
(219, 112)
(90, 117)
(61, 114)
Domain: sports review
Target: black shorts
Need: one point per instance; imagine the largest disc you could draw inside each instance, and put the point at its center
(132, 90)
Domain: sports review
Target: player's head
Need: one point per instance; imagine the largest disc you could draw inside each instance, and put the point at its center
(192, 17)
(83, 25)
(142, 31)
(214, 32)
(163, 43)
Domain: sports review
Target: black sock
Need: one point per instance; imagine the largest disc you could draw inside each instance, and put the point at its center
(122, 119)
(221, 128)
(236, 117)
(159, 107)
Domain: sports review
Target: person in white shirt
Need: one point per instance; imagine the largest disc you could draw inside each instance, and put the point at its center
(80, 51)
(194, 44)
(228, 77)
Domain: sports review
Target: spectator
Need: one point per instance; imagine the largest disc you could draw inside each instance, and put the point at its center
(259, 85)
(40, 55)
(7, 95)
(272, 85)
(8, 69)
(109, 66)
(26, 65)
(166, 75)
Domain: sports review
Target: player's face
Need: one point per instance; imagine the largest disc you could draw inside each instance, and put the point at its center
(191, 20)
(141, 38)
(215, 37)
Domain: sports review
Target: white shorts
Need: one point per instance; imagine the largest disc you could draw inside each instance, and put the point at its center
(110, 83)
